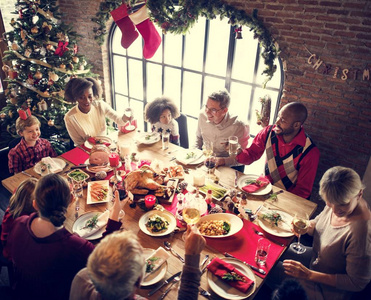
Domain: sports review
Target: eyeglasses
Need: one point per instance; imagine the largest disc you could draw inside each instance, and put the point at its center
(212, 110)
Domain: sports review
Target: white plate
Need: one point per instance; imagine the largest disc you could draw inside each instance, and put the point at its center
(61, 163)
(182, 157)
(284, 230)
(158, 274)
(164, 214)
(108, 168)
(236, 223)
(104, 183)
(226, 291)
(104, 139)
(241, 183)
(147, 138)
(80, 222)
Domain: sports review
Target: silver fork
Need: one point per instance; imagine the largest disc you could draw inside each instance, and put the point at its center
(163, 295)
(77, 208)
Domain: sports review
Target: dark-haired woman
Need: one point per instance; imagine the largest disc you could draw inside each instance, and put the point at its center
(88, 117)
(45, 255)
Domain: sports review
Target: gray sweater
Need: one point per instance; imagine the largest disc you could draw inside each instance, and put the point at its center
(341, 250)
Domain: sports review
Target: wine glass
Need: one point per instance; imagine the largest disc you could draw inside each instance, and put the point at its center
(232, 145)
(210, 164)
(300, 226)
(191, 213)
(207, 148)
(129, 114)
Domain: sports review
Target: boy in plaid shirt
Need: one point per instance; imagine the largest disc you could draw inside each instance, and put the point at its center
(31, 149)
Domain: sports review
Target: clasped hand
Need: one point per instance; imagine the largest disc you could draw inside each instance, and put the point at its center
(296, 269)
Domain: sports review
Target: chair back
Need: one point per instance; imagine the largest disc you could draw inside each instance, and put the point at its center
(14, 142)
(183, 130)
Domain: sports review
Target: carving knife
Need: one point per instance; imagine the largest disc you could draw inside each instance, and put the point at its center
(170, 279)
(261, 271)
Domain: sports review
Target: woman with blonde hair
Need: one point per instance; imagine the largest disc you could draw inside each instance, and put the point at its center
(341, 255)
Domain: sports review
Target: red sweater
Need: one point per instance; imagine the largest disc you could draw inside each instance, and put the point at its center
(308, 165)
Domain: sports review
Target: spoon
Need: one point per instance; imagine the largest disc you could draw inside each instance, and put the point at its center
(168, 248)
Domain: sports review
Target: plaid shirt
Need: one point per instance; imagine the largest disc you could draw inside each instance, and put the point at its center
(22, 157)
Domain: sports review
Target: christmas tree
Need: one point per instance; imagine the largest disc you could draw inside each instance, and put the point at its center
(42, 56)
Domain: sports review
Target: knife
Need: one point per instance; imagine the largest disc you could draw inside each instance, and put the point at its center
(83, 149)
(204, 261)
(170, 279)
(236, 179)
(259, 270)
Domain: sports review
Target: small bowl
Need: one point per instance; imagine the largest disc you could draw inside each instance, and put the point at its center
(77, 172)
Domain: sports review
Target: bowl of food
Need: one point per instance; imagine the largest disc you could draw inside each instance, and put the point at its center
(78, 175)
(219, 225)
(157, 223)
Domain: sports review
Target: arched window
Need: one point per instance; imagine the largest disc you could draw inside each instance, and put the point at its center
(189, 67)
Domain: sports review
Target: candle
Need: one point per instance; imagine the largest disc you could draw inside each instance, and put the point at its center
(198, 179)
(114, 159)
(149, 201)
(125, 149)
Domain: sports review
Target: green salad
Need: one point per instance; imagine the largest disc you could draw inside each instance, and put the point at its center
(157, 224)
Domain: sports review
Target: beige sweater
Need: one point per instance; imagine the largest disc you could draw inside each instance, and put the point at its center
(341, 250)
(81, 126)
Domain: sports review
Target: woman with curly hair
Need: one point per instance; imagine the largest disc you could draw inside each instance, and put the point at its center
(161, 114)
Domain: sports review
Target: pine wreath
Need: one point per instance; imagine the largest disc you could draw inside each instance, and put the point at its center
(179, 16)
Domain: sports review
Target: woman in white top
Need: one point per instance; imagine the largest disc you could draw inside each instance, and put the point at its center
(88, 117)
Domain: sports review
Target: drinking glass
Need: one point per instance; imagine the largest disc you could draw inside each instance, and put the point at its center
(210, 163)
(233, 145)
(165, 140)
(300, 226)
(191, 213)
(262, 251)
(208, 148)
(129, 114)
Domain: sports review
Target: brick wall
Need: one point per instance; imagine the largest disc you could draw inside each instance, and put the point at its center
(337, 31)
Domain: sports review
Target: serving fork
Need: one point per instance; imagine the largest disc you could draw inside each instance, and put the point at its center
(163, 295)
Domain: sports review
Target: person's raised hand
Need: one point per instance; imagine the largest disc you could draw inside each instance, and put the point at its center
(194, 241)
(116, 207)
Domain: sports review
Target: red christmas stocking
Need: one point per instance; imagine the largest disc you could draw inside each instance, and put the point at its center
(152, 39)
(129, 34)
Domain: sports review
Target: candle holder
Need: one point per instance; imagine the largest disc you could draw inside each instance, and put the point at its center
(116, 178)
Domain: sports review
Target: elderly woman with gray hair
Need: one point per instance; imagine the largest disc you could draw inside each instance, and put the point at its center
(341, 256)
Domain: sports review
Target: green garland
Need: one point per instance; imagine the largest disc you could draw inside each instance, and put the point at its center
(178, 19)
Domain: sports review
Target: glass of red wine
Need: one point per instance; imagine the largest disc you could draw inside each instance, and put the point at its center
(210, 164)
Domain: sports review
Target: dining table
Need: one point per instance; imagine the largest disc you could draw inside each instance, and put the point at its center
(238, 244)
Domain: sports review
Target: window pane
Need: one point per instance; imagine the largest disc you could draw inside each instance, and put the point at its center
(122, 102)
(172, 84)
(275, 81)
(245, 55)
(135, 79)
(173, 49)
(120, 75)
(138, 109)
(212, 84)
(154, 86)
(191, 93)
(217, 48)
(192, 127)
(240, 100)
(194, 46)
(116, 42)
(136, 48)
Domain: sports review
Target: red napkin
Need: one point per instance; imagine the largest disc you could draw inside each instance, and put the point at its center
(93, 141)
(261, 182)
(76, 156)
(242, 245)
(219, 268)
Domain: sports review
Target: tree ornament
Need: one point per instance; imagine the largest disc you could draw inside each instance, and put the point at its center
(46, 27)
(10, 114)
(15, 46)
(50, 47)
(35, 18)
(62, 66)
(61, 49)
(42, 51)
(38, 75)
(30, 81)
(2, 116)
(81, 67)
(51, 122)
(28, 52)
(63, 108)
(53, 76)
(34, 30)
(23, 35)
(42, 105)
(75, 59)
(238, 32)
(29, 102)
